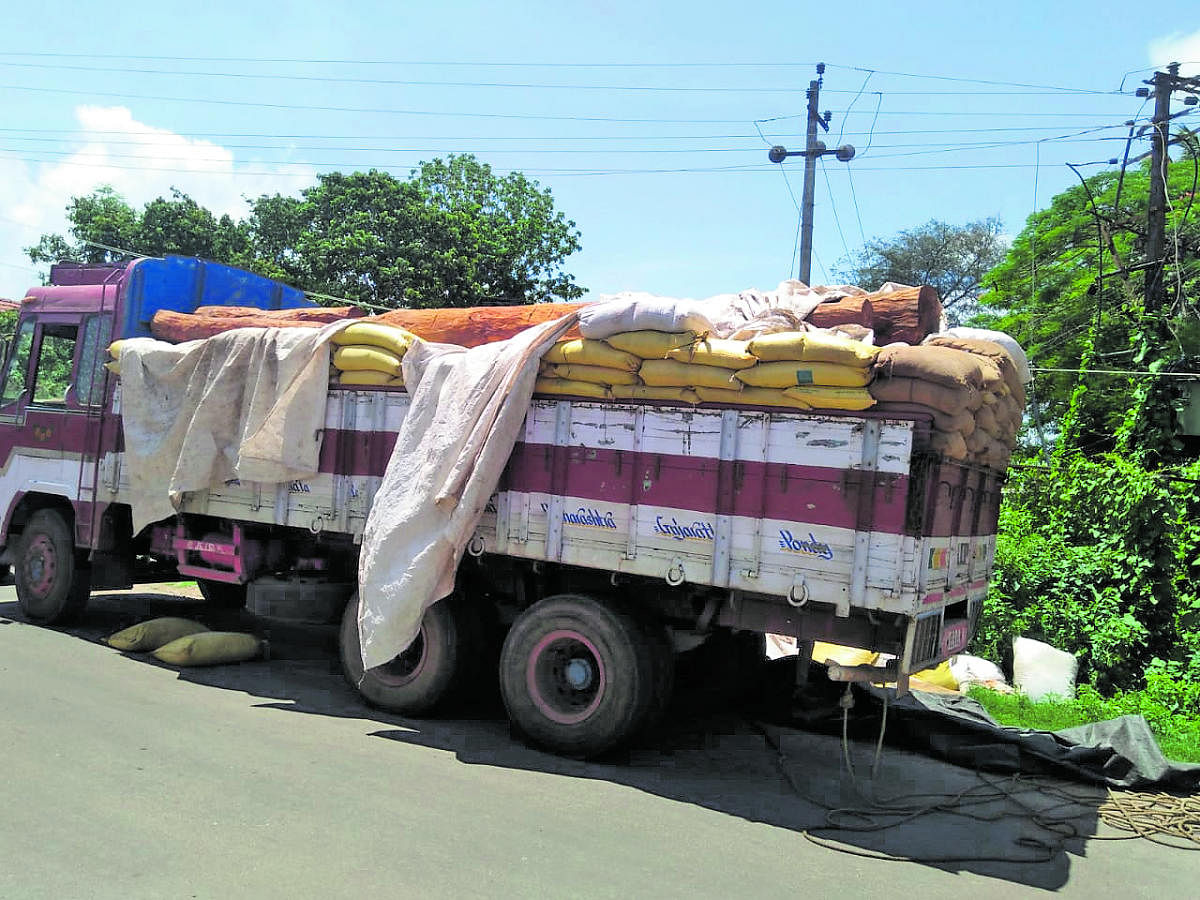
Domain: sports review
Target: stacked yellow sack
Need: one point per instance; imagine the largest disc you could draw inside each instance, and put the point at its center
(370, 354)
(794, 370)
(114, 358)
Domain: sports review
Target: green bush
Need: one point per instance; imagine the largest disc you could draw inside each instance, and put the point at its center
(1101, 558)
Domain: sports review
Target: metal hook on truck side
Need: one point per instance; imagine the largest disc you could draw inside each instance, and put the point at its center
(675, 575)
(797, 594)
(475, 547)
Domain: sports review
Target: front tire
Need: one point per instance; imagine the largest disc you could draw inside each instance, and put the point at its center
(441, 661)
(580, 677)
(51, 585)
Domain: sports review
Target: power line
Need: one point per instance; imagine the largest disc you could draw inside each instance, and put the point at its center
(546, 64)
(833, 207)
(522, 85)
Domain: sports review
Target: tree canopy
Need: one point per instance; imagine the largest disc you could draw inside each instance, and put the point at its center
(1071, 288)
(951, 258)
(452, 234)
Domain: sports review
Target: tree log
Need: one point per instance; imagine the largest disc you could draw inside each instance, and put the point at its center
(472, 326)
(317, 314)
(843, 311)
(909, 314)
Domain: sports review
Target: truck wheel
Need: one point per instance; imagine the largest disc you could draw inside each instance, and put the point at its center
(442, 659)
(578, 676)
(222, 594)
(51, 585)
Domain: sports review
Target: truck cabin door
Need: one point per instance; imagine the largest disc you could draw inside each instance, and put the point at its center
(44, 424)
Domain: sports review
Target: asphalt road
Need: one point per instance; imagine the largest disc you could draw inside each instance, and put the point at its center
(124, 778)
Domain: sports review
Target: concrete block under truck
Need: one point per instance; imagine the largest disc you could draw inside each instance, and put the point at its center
(620, 533)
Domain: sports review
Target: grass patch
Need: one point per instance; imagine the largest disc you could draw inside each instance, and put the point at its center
(1168, 710)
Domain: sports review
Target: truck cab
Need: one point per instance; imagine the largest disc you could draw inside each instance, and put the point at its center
(60, 427)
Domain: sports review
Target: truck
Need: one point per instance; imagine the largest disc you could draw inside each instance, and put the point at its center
(620, 534)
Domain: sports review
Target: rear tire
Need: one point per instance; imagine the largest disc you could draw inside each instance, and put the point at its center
(222, 594)
(580, 677)
(52, 587)
(441, 661)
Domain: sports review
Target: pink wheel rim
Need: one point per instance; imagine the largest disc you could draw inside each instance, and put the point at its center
(565, 677)
(41, 566)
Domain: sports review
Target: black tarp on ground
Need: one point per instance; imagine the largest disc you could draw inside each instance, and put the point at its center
(1120, 753)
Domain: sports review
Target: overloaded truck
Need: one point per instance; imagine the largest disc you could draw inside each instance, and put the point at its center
(621, 532)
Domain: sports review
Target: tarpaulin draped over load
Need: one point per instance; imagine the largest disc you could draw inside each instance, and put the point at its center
(466, 412)
(246, 404)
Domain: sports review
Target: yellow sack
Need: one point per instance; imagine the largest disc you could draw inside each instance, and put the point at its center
(153, 634)
(716, 352)
(366, 377)
(843, 656)
(672, 373)
(374, 334)
(651, 344)
(595, 374)
(939, 676)
(211, 648)
(832, 397)
(644, 392)
(813, 346)
(113, 366)
(563, 387)
(581, 352)
(798, 374)
(751, 396)
(362, 358)
(114, 349)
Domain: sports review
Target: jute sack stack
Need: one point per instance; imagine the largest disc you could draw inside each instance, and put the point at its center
(818, 368)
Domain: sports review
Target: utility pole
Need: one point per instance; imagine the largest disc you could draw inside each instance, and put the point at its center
(810, 176)
(813, 150)
(1156, 225)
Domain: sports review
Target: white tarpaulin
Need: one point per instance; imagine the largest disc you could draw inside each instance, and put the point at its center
(246, 404)
(466, 413)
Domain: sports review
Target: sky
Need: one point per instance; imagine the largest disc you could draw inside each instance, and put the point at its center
(650, 122)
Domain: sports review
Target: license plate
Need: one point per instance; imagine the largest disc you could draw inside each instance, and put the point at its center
(954, 638)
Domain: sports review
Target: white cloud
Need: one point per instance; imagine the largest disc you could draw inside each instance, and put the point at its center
(140, 161)
(1177, 47)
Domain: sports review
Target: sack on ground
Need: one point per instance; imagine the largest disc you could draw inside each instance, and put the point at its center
(651, 344)
(716, 352)
(813, 346)
(798, 374)
(212, 648)
(581, 352)
(672, 373)
(1040, 670)
(153, 634)
(832, 397)
(595, 374)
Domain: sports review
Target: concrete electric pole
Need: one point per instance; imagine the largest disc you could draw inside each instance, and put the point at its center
(813, 150)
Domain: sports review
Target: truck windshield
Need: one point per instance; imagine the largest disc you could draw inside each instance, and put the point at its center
(16, 375)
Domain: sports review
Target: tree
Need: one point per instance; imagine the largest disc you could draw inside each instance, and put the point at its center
(1051, 294)
(452, 234)
(951, 258)
(103, 219)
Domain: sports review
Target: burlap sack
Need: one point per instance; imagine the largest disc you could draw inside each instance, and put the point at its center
(940, 365)
(949, 400)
